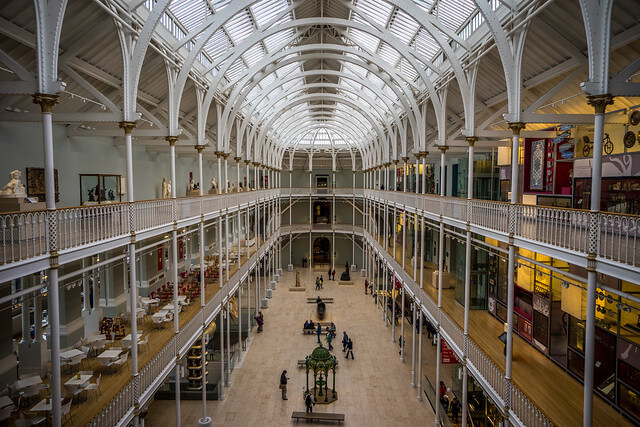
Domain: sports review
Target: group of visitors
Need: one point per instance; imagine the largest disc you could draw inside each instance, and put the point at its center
(332, 274)
(454, 406)
(308, 324)
(347, 345)
(319, 282)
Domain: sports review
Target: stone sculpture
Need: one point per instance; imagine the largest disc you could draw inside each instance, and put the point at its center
(165, 188)
(14, 188)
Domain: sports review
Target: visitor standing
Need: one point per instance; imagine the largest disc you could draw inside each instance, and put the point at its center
(366, 286)
(317, 283)
(401, 344)
(260, 321)
(349, 349)
(455, 409)
(319, 332)
(329, 273)
(345, 340)
(308, 401)
(329, 339)
(283, 384)
(321, 281)
(334, 274)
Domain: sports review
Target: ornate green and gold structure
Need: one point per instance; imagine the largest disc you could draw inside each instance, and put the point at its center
(320, 362)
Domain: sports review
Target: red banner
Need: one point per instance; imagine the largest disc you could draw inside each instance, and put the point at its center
(448, 356)
(160, 258)
(180, 249)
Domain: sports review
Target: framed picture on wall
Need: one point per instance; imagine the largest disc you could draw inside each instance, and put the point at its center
(536, 176)
(36, 185)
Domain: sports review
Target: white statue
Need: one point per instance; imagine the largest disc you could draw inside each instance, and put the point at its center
(165, 188)
(169, 189)
(192, 184)
(214, 185)
(14, 187)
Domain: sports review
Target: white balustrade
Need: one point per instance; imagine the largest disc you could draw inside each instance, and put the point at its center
(23, 235)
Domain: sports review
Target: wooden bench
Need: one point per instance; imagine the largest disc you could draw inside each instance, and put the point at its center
(317, 416)
(324, 300)
(309, 331)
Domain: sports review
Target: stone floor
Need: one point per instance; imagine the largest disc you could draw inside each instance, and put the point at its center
(373, 389)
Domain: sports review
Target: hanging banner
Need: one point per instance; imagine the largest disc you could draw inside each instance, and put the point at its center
(160, 258)
(448, 356)
(180, 249)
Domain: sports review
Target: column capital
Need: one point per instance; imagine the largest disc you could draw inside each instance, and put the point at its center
(387, 164)
(405, 159)
(225, 155)
(248, 162)
(516, 127)
(256, 164)
(600, 102)
(127, 126)
(46, 100)
(238, 159)
(395, 161)
(218, 153)
(199, 148)
(171, 140)
(443, 148)
(471, 140)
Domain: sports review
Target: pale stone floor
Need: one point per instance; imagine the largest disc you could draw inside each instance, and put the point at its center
(374, 389)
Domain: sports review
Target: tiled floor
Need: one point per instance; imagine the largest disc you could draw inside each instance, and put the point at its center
(373, 389)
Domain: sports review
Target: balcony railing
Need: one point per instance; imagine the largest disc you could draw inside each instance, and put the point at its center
(24, 236)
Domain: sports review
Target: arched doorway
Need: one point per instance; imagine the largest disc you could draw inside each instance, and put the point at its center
(321, 251)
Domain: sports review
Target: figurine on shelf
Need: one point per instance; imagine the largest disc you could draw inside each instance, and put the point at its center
(169, 189)
(165, 188)
(192, 184)
(14, 188)
(214, 184)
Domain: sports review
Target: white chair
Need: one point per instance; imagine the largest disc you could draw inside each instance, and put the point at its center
(95, 387)
(66, 410)
(144, 341)
(126, 344)
(76, 360)
(123, 360)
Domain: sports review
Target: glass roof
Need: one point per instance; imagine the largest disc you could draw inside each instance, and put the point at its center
(188, 19)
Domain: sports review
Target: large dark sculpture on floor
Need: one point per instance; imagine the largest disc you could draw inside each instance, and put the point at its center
(321, 362)
(345, 275)
(321, 309)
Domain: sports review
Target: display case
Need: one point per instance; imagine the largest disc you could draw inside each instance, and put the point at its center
(98, 189)
(621, 195)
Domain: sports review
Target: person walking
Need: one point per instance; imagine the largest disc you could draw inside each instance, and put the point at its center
(329, 339)
(345, 340)
(366, 286)
(401, 344)
(317, 283)
(321, 282)
(329, 273)
(455, 409)
(349, 349)
(308, 401)
(283, 384)
(260, 321)
(319, 332)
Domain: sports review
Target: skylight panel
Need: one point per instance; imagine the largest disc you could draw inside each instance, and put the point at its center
(378, 11)
(217, 45)
(425, 4)
(453, 13)
(274, 42)
(287, 86)
(389, 54)
(236, 69)
(366, 40)
(404, 27)
(218, 5)
(293, 68)
(407, 70)
(190, 13)
(253, 55)
(267, 80)
(239, 27)
(266, 10)
(426, 45)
